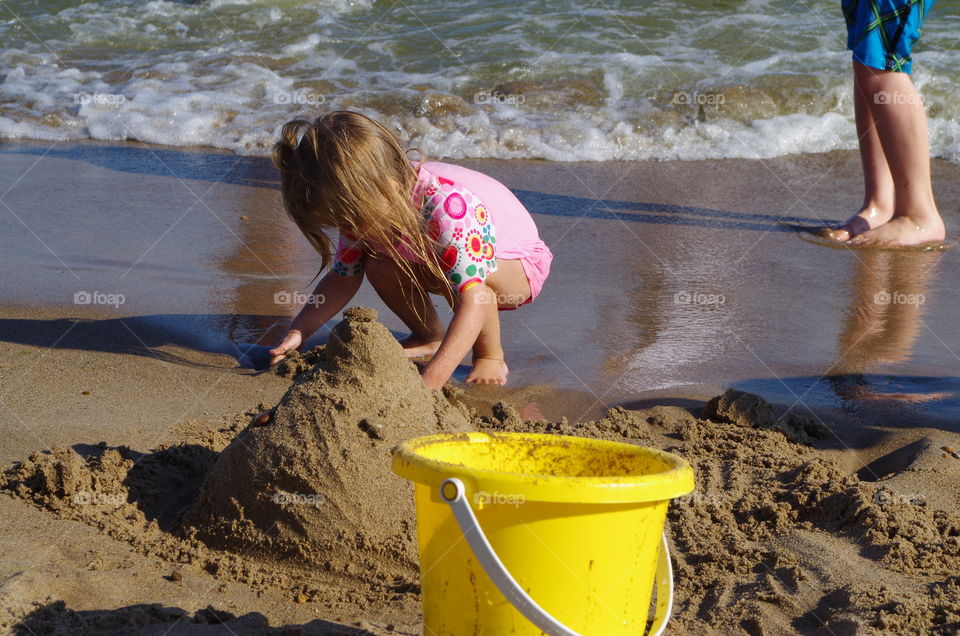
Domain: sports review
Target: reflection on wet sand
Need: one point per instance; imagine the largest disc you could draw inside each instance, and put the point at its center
(889, 294)
(257, 277)
(270, 266)
(676, 313)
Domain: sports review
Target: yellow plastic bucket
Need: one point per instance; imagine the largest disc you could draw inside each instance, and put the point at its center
(527, 534)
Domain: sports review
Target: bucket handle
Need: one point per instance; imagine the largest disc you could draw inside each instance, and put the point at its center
(509, 587)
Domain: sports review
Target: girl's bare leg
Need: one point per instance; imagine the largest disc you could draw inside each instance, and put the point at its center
(415, 308)
(512, 289)
(410, 303)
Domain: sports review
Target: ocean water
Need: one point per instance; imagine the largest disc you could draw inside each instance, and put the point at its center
(562, 80)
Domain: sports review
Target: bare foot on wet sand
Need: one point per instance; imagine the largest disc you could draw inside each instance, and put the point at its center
(869, 218)
(416, 346)
(488, 371)
(902, 231)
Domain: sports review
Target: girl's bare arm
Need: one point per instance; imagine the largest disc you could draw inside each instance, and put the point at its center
(331, 295)
(468, 318)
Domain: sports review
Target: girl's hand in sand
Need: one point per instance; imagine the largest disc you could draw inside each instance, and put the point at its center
(292, 340)
(488, 371)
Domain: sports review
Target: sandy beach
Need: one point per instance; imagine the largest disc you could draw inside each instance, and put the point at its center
(137, 277)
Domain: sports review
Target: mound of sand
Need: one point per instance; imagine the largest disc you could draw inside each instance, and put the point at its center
(746, 409)
(313, 484)
(131, 496)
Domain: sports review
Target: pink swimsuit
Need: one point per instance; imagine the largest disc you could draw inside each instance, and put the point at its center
(474, 220)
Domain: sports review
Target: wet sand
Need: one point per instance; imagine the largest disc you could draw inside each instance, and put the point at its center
(672, 281)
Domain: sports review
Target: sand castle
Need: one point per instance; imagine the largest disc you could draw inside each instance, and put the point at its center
(313, 483)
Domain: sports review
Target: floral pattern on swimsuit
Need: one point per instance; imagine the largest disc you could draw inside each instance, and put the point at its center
(351, 258)
(457, 221)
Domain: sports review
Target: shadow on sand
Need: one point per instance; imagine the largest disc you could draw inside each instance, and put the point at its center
(156, 619)
(199, 165)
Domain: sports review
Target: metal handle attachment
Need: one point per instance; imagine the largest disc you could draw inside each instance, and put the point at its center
(512, 591)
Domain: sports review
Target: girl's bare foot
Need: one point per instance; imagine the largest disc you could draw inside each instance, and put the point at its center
(869, 218)
(903, 231)
(488, 371)
(417, 346)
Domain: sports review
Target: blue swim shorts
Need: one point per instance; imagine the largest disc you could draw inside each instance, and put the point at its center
(881, 33)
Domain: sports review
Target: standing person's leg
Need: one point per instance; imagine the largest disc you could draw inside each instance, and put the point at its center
(901, 125)
(891, 126)
(878, 191)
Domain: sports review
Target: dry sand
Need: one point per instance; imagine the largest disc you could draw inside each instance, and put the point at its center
(296, 502)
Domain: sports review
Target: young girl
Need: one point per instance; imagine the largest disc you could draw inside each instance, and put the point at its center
(412, 229)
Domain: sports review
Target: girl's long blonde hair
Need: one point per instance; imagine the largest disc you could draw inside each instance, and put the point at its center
(346, 170)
